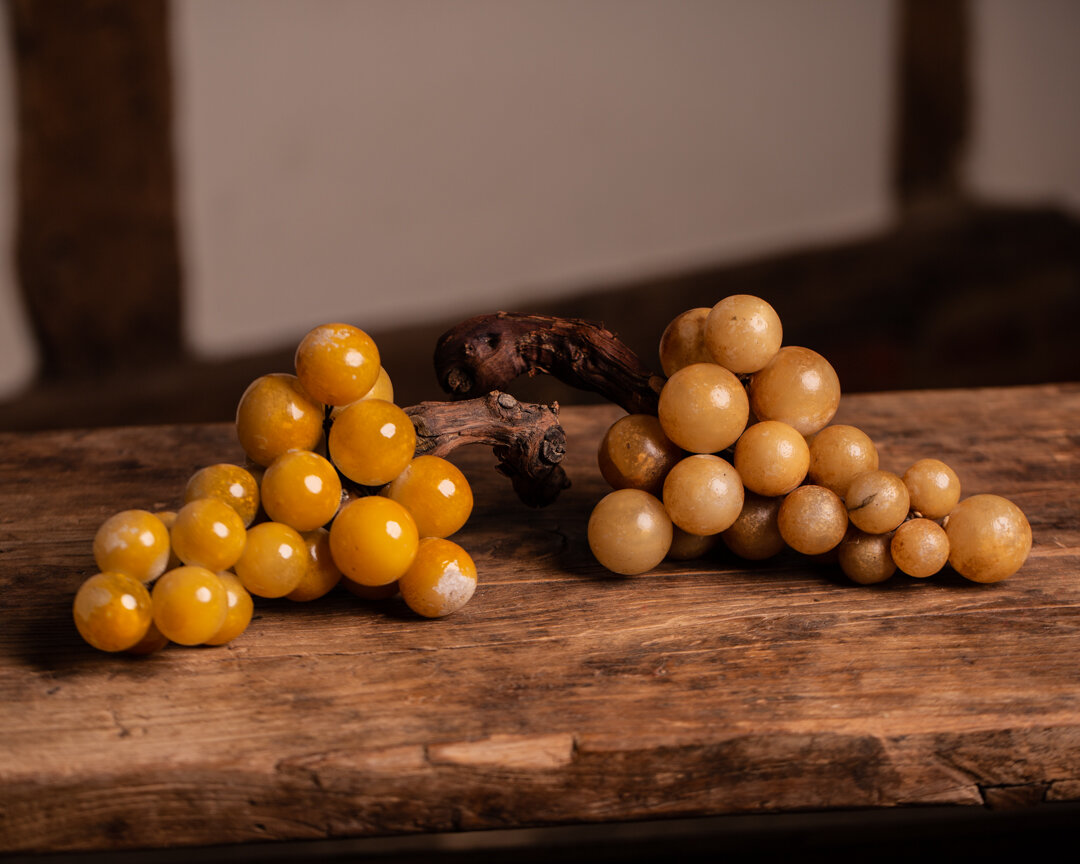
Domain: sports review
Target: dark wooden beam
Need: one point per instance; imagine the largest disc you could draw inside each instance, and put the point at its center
(96, 246)
(934, 101)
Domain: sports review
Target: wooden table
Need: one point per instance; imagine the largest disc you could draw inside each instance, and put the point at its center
(560, 694)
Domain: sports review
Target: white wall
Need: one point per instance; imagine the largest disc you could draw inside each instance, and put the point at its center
(399, 160)
(387, 161)
(1026, 135)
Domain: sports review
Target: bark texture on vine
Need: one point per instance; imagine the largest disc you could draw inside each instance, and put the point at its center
(526, 438)
(487, 352)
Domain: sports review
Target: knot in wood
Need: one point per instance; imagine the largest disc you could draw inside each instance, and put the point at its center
(507, 401)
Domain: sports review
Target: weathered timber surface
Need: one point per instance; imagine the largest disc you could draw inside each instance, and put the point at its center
(560, 693)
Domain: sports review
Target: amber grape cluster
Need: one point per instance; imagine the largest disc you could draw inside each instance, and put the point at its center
(741, 452)
(311, 509)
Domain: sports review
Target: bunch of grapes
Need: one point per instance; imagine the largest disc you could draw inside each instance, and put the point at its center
(188, 576)
(741, 452)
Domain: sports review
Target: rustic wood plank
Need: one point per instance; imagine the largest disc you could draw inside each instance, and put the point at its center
(560, 694)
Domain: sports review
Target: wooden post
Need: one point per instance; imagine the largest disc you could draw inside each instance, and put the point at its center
(96, 247)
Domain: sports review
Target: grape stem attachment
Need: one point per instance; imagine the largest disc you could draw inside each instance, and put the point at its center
(526, 438)
(487, 352)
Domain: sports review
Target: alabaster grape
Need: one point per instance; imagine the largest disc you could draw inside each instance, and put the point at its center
(703, 494)
(989, 538)
(629, 532)
(772, 458)
(755, 534)
(933, 487)
(636, 454)
(743, 333)
(683, 341)
(812, 520)
(865, 558)
(837, 454)
(703, 408)
(877, 501)
(798, 387)
(920, 548)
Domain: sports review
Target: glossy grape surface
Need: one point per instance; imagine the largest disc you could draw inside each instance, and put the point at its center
(989, 538)
(933, 487)
(435, 493)
(301, 489)
(683, 341)
(112, 611)
(190, 605)
(877, 501)
(703, 494)
(337, 363)
(755, 534)
(743, 333)
(812, 520)
(273, 561)
(772, 458)
(275, 415)
(321, 574)
(239, 609)
(837, 454)
(208, 533)
(703, 408)
(383, 388)
(866, 558)
(798, 387)
(232, 484)
(636, 454)
(373, 540)
(372, 441)
(440, 580)
(920, 548)
(135, 542)
(629, 532)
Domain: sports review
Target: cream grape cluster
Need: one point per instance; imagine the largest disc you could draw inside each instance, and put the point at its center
(311, 509)
(741, 452)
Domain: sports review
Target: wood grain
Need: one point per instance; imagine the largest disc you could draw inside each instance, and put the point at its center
(560, 694)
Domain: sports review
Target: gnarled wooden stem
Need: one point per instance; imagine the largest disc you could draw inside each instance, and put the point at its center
(489, 351)
(526, 438)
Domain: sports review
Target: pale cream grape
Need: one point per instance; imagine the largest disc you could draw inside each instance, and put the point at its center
(743, 333)
(798, 387)
(629, 531)
(703, 494)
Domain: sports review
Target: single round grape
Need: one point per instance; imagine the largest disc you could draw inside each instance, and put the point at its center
(370, 592)
(837, 454)
(372, 441)
(689, 547)
(440, 580)
(703, 494)
(112, 611)
(383, 388)
(435, 493)
(920, 548)
(629, 531)
(190, 605)
(301, 489)
(154, 640)
(989, 538)
(321, 574)
(797, 387)
(239, 607)
(865, 558)
(208, 533)
(703, 408)
(812, 520)
(755, 534)
(229, 483)
(373, 540)
(636, 454)
(134, 542)
(933, 487)
(337, 363)
(877, 501)
(743, 333)
(274, 560)
(683, 342)
(772, 458)
(276, 415)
